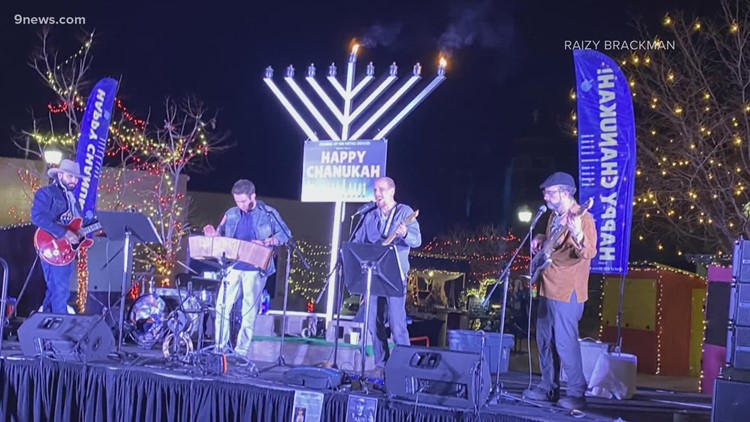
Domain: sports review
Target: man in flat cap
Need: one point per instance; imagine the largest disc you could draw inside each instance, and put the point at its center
(563, 290)
(53, 209)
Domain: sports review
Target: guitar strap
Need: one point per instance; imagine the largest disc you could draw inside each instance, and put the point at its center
(387, 226)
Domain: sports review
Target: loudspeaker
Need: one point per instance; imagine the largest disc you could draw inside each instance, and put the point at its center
(738, 347)
(436, 376)
(66, 337)
(739, 304)
(731, 401)
(741, 261)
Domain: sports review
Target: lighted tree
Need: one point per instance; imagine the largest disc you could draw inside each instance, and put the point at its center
(692, 109)
(181, 144)
(143, 154)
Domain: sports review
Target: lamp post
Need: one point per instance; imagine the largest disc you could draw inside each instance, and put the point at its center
(52, 157)
(525, 214)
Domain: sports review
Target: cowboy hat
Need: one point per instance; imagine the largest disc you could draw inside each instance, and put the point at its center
(66, 166)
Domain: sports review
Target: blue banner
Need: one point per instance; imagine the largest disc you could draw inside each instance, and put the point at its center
(342, 170)
(606, 155)
(93, 142)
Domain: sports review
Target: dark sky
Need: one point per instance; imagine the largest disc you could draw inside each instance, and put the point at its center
(512, 63)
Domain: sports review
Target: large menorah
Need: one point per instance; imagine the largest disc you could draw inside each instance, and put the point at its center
(347, 116)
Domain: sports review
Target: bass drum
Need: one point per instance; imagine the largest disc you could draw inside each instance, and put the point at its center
(152, 316)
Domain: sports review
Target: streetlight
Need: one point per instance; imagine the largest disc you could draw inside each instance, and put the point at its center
(53, 157)
(525, 214)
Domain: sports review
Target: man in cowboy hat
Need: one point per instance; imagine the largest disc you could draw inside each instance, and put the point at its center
(53, 209)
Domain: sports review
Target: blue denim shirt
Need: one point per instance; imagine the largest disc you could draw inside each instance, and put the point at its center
(265, 226)
(49, 206)
(368, 233)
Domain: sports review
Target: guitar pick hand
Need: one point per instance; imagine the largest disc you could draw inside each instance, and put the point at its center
(537, 242)
(72, 237)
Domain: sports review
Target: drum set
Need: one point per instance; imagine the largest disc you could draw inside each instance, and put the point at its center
(182, 318)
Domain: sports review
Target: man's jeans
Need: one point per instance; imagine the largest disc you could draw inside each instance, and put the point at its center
(251, 284)
(396, 317)
(58, 287)
(557, 340)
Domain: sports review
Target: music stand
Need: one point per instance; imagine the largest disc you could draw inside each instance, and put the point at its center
(371, 270)
(128, 227)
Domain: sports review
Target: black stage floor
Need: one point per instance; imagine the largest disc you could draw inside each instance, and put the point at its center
(143, 386)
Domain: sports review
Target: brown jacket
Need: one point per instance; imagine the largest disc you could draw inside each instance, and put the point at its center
(571, 263)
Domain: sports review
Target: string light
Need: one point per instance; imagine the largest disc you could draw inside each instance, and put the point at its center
(659, 270)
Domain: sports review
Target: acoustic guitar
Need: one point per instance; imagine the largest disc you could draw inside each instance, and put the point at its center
(543, 258)
(408, 220)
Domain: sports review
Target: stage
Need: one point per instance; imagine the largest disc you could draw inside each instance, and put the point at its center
(143, 386)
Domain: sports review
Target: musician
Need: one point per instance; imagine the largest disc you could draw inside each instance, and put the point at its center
(563, 290)
(387, 218)
(54, 207)
(251, 220)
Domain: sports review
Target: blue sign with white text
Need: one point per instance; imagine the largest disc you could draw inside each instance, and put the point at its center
(93, 142)
(606, 155)
(335, 171)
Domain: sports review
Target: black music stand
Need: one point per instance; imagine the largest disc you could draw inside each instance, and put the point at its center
(371, 270)
(132, 228)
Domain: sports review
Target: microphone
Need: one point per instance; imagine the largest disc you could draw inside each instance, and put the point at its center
(539, 214)
(364, 209)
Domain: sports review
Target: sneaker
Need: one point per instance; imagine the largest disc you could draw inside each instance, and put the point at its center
(541, 394)
(572, 403)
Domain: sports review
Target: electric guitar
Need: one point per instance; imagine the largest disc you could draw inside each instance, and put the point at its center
(543, 258)
(60, 252)
(413, 216)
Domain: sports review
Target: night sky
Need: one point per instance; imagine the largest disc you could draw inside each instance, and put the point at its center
(509, 62)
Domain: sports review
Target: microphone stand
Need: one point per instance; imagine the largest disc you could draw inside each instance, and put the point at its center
(339, 287)
(505, 276)
(291, 246)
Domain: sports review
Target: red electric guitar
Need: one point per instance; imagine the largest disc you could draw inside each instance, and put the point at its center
(60, 252)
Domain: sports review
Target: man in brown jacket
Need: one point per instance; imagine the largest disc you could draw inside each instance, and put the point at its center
(563, 290)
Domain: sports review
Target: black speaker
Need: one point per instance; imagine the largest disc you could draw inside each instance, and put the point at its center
(437, 376)
(739, 304)
(731, 401)
(738, 347)
(741, 261)
(66, 337)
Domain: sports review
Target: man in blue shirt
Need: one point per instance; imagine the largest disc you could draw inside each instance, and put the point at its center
(251, 220)
(377, 225)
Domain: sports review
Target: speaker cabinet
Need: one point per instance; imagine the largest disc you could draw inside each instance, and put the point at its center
(81, 338)
(731, 401)
(437, 376)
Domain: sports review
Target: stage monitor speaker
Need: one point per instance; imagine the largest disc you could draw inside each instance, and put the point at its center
(437, 376)
(731, 401)
(82, 338)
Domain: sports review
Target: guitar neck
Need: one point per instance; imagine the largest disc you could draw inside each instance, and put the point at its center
(90, 229)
